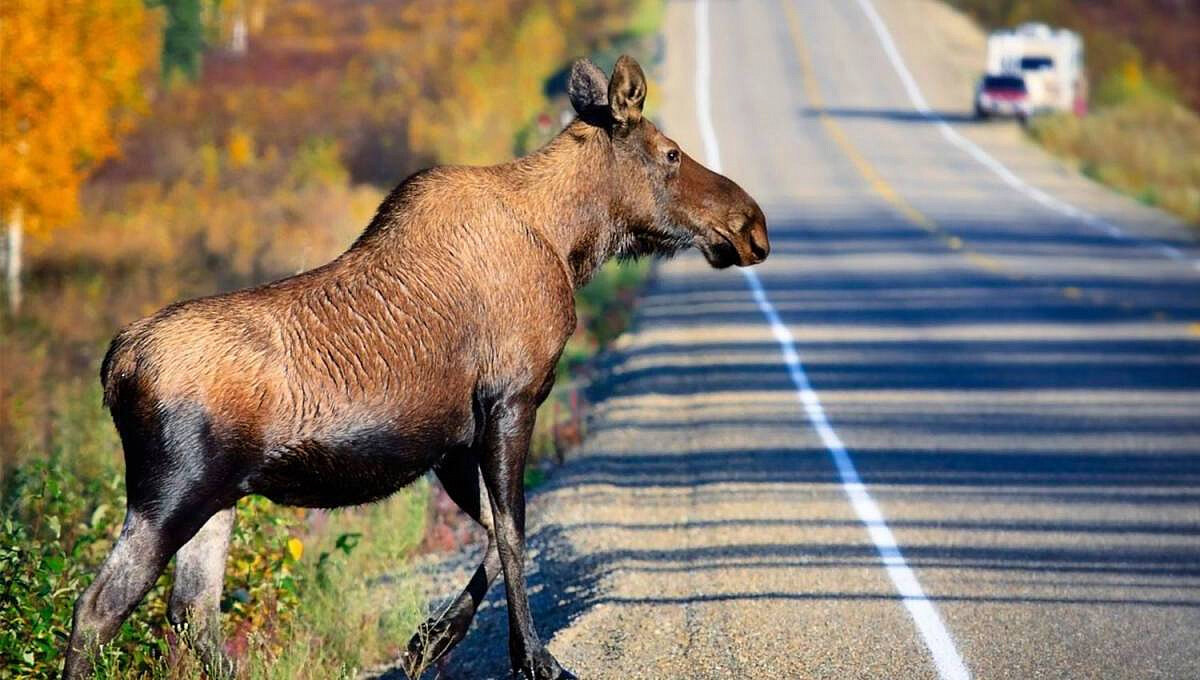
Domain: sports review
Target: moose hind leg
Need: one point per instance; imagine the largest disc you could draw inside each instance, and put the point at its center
(460, 477)
(195, 604)
(137, 559)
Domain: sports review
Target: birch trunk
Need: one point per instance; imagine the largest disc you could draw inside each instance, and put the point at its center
(12, 265)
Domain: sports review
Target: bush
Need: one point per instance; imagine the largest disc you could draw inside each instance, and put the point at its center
(1148, 147)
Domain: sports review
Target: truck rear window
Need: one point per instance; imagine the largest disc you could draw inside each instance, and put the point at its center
(1035, 63)
(1004, 83)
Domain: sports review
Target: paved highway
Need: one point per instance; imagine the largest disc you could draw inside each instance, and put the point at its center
(950, 429)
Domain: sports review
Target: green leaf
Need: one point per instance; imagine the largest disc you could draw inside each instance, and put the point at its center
(98, 514)
(347, 542)
(55, 563)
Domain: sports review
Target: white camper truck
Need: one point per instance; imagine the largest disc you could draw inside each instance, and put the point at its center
(1040, 69)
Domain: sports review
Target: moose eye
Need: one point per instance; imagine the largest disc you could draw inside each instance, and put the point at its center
(673, 155)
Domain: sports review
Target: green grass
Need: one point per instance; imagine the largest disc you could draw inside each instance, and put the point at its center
(360, 605)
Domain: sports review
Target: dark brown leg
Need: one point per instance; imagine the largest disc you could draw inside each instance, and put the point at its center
(459, 475)
(505, 446)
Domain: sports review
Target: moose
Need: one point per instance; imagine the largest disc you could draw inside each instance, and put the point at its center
(427, 345)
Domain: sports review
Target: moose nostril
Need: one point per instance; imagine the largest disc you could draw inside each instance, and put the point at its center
(760, 250)
(756, 236)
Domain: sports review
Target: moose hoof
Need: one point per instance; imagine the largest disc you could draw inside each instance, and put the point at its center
(544, 667)
(560, 674)
(432, 640)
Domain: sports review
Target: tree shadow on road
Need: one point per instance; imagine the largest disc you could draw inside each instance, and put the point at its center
(895, 115)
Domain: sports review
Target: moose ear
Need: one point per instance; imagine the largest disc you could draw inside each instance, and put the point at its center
(627, 91)
(587, 86)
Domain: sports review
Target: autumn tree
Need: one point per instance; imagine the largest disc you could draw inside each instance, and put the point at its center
(68, 84)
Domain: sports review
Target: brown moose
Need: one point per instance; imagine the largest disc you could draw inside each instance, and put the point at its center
(427, 345)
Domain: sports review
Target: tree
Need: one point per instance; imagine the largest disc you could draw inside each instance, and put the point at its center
(183, 37)
(69, 82)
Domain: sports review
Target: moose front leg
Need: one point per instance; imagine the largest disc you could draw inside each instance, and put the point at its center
(506, 445)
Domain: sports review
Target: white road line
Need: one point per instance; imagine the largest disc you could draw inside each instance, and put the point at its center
(949, 664)
(988, 161)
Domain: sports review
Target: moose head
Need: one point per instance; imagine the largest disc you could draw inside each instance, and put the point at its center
(665, 200)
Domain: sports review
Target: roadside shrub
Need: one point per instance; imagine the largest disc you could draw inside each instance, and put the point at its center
(1148, 147)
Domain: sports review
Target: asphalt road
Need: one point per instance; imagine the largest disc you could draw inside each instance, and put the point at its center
(1015, 383)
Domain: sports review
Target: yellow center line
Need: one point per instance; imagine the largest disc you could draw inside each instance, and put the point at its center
(860, 163)
(984, 262)
(886, 191)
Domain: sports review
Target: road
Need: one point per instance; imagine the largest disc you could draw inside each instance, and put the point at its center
(956, 433)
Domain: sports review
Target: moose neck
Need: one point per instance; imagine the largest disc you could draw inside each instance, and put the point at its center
(566, 191)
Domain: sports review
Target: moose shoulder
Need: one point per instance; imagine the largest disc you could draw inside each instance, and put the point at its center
(427, 345)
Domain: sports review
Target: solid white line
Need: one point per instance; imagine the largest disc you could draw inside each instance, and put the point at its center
(949, 664)
(985, 159)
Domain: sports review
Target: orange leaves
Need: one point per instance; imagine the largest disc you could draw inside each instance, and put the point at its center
(69, 82)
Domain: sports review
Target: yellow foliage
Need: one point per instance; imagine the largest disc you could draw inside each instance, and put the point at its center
(240, 149)
(491, 83)
(1131, 74)
(1147, 146)
(210, 163)
(68, 82)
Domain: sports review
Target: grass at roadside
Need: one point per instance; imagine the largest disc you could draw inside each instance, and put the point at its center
(1147, 147)
(360, 604)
